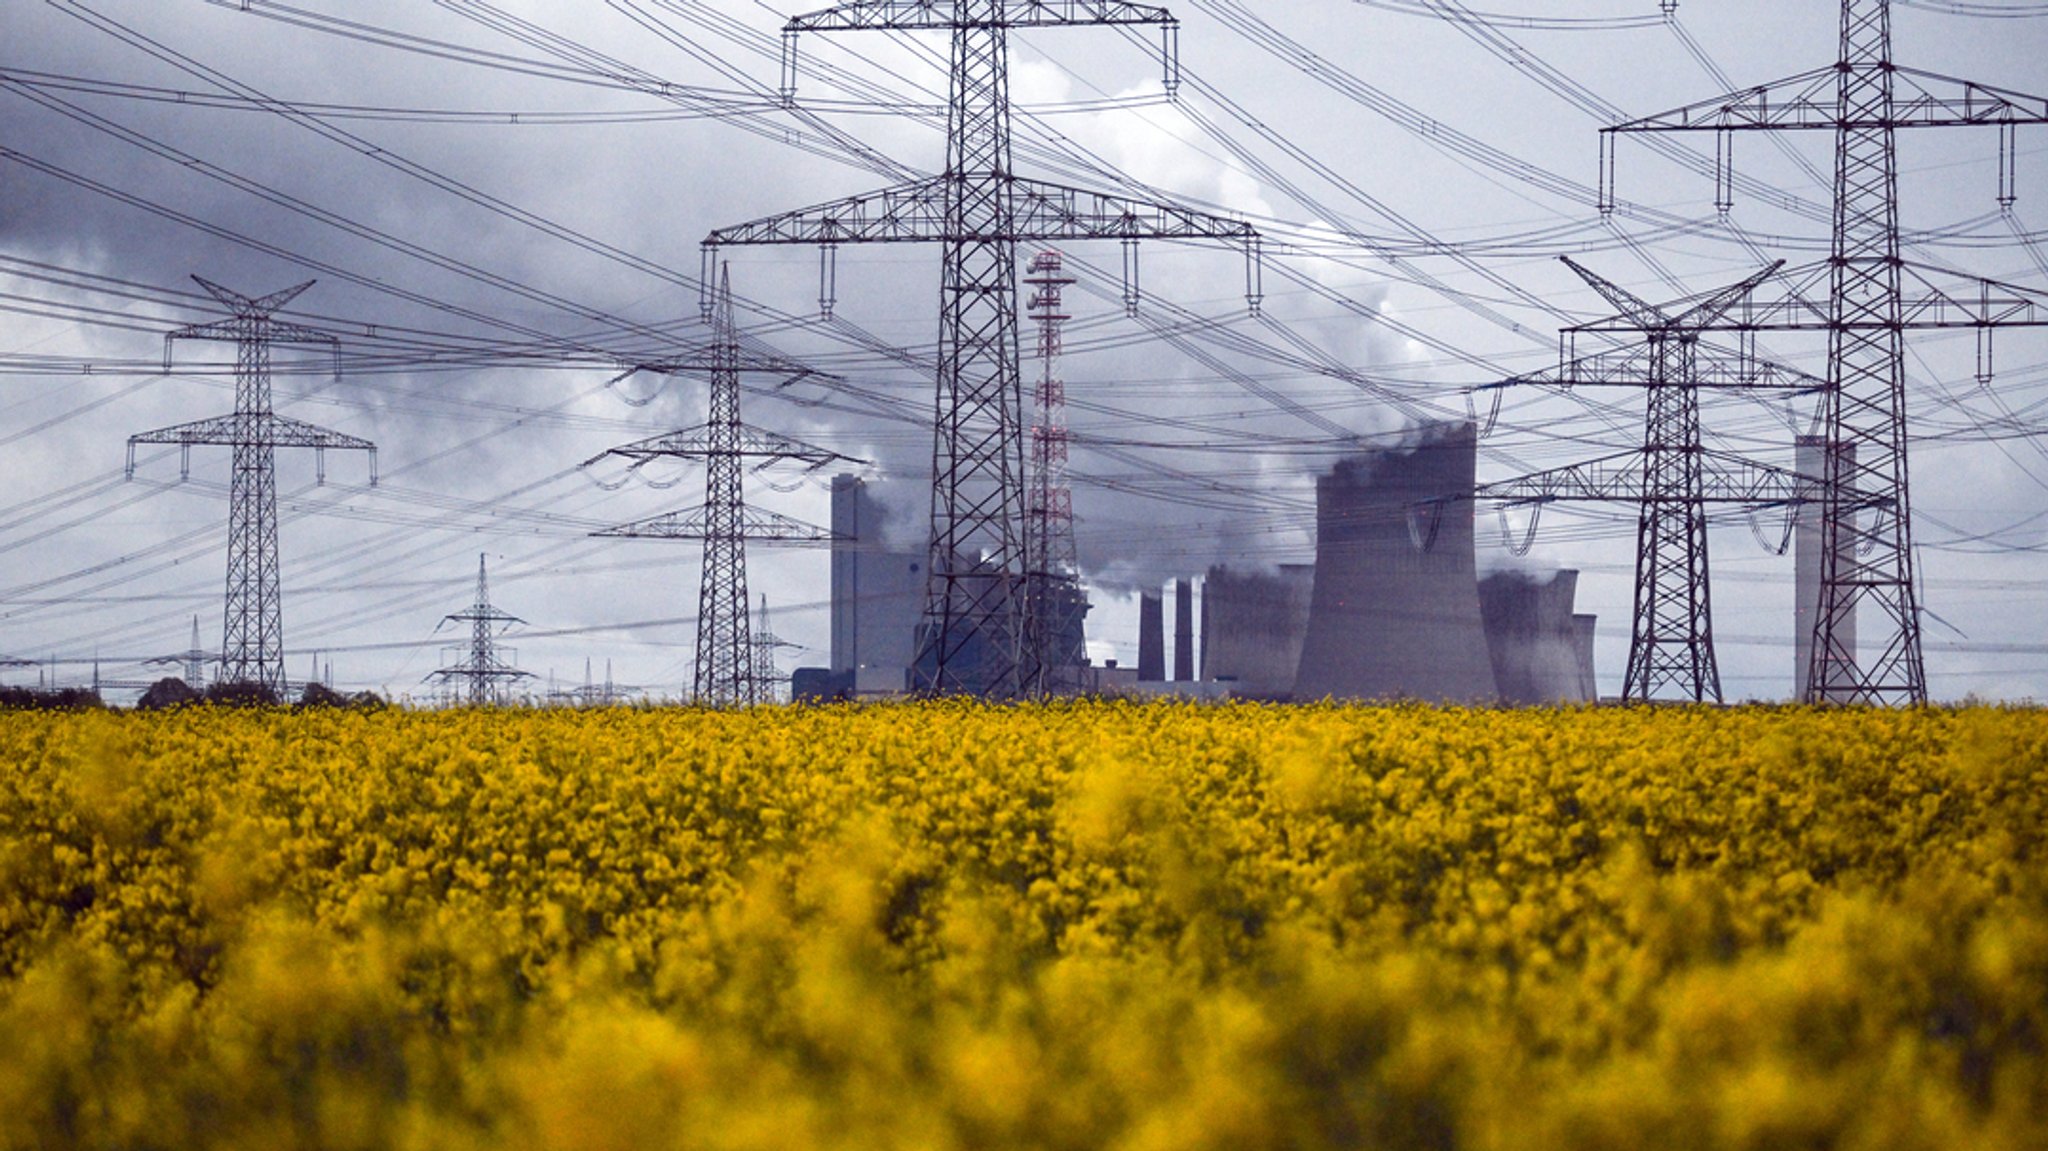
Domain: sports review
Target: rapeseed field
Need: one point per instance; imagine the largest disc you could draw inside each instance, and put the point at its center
(1109, 927)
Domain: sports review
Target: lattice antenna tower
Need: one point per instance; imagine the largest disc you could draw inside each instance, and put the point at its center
(1054, 561)
(1867, 582)
(974, 635)
(726, 673)
(1672, 479)
(252, 640)
(488, 667)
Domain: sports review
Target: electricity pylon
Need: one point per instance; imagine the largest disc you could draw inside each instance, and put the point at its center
(725, 668)
(1866, 529)
(192, 660)
(974, 635)
(252, 643)
(486, 668)
(1671, 635)
(1672, 480)
(768, 678)
(1053, 562)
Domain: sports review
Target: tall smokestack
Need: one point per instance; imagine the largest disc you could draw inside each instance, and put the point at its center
(1184, 630)
(846, 542)
(1151, 637)
(1810, 460)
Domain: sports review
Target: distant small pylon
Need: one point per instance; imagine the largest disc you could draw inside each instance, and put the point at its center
(768, 679)
(193, 658)
(726, 654)
(486, 669)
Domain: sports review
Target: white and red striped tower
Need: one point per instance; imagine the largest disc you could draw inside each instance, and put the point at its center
(1052, 559)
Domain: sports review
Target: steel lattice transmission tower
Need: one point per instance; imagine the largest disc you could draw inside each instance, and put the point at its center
(1867, 584)
(487, 667)
(975, 632)
(725, 668)
(1673, 479)
(768, 678)
(1053, 561)
(252, 643)
(192, 660)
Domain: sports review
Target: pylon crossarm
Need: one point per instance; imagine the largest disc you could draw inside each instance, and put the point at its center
(1725, 479)
(1688, 315)
(705, 361)
(1810, 100)
(1639, 314)
(1050, 212)
(915, 15)
(218, 430)
(495, 670)
(756, 443)
(756, 526)
(252, 306)
(277, 431)
(1044, 213)
(905, 213)
(1715, 369)
(489, 615)
(704, 441)
(1931, 299)
(270, 331)
(1716, 304)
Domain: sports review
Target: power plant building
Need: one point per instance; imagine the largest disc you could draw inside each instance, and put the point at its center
(1395, 609)
(877, 593)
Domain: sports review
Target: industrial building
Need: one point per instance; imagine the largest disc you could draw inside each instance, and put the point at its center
(877, 594)
(878, 601)
(1395, 609)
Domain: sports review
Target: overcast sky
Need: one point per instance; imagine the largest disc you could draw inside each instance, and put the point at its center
(501, 177)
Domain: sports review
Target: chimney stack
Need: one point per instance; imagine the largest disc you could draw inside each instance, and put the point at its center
(1184, 630)
(1151, 637)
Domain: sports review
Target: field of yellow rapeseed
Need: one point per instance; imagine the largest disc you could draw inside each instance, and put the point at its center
(1096, 926)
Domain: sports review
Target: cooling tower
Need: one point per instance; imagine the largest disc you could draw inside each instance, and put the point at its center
(1395, 610)
(1151, 638)
(1253, 624)
(1183, 631)
(877, 594)
(1582, 644)
(1809, 459)
(1533, 637)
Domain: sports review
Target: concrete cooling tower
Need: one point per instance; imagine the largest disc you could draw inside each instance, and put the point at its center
(1395, 610)
(1534, 639)
(1253, 625)
(1582, 645)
